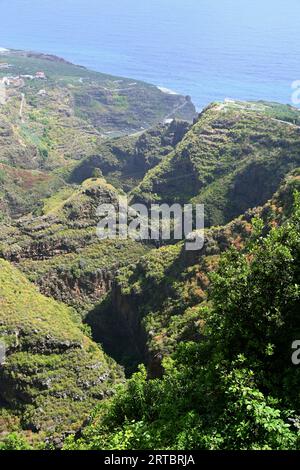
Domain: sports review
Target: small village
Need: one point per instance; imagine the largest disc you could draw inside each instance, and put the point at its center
(16, 81)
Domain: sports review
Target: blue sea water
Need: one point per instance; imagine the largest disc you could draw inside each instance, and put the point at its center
(209, 49)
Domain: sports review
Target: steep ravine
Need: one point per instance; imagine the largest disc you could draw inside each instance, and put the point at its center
(161, 300)
(117, 325)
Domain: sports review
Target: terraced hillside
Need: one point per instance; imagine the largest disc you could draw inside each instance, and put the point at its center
(100, 103)
(136, 326)
(234, 385)
(52, 373)
(60, 250)
(54, 114)
(61, 155)
(233, 158)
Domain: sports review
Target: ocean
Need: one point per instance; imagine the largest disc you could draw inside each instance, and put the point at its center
(208, 49)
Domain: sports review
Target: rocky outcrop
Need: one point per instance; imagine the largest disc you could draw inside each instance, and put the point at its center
(82, 289)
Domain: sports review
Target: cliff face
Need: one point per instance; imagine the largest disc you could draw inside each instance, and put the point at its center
(52, 373)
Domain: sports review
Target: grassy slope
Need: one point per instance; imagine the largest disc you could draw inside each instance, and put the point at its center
(22, 190)
(67, 117)
(60, 250)
(124, 161)
(108, 103)
(233, 158)
(52, 373)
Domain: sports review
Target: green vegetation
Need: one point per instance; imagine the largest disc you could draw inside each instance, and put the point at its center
(103, 102)
(124, 161)
(66, 118)
(22, 190)
(152, 326)
(236, 388)
(52, 373)
(60, 250)
(212, 328)
(233, 158)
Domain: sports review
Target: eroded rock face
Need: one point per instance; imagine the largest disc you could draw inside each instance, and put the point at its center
(117, 323)
(87, 288)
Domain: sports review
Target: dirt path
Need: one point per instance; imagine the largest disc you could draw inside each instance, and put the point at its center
(177, 108)
(22, 107)
(286, 122)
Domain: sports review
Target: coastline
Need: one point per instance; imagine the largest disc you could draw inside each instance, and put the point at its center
(167, 91)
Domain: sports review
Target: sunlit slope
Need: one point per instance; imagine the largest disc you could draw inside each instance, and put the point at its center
(233, 158)
(52, 373)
